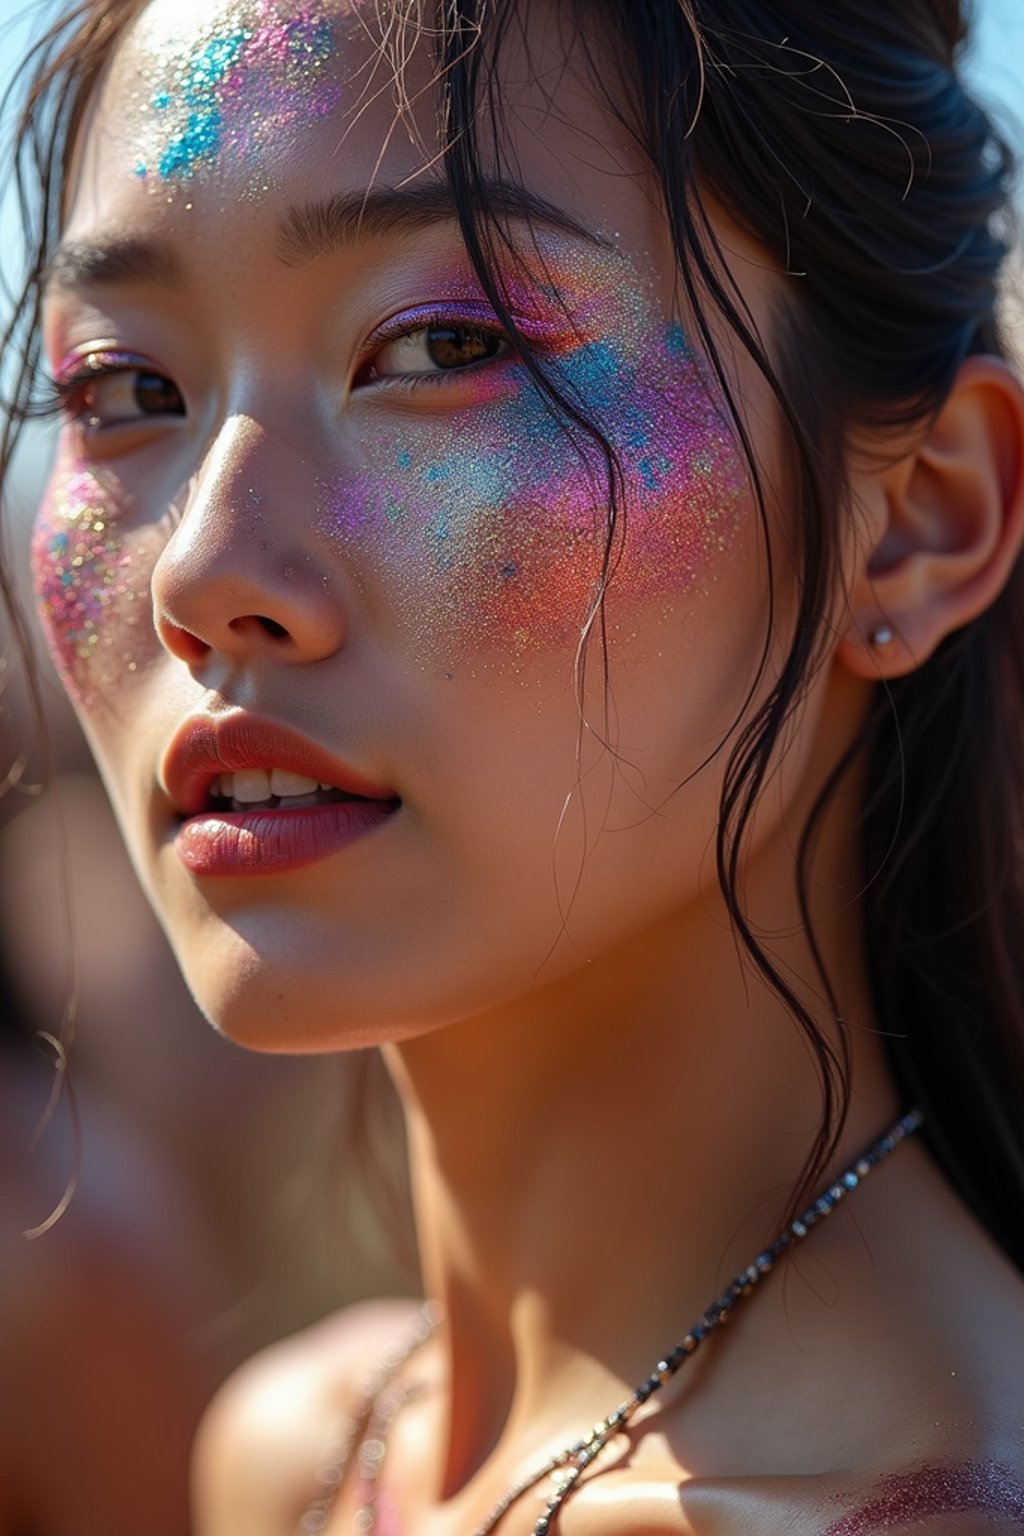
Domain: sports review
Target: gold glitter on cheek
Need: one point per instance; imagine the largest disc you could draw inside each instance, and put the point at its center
(86, 584)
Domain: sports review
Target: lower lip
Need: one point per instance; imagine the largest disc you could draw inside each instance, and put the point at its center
(234, 844)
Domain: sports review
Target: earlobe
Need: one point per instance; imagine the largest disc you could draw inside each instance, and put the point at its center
(946, 526)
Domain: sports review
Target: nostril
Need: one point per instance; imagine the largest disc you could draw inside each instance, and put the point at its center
(272, 627)
(261, 621)
(181, 642)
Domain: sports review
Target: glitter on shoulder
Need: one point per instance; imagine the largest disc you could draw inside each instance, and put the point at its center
(902, 1499)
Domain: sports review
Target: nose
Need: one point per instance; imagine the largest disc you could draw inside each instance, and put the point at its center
(241, 578)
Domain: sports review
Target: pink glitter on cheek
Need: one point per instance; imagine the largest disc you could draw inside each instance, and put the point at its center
(982, 1487)
(85, 581)
(492, 522)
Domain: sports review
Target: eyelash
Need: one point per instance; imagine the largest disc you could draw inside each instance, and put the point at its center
(414, 322)
(61, 394)
(58, 395)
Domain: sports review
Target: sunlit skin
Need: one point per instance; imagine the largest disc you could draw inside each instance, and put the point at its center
(266, 433)
(606, 1110)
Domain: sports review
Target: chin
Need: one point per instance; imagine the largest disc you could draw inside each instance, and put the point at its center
(282, 988)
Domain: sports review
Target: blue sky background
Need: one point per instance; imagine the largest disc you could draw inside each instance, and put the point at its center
(997, 55)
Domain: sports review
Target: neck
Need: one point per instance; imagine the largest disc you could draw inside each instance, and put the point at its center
(591, 1164)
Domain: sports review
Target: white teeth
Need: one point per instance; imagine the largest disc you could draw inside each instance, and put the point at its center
(325, 786)
(285, 784)
(252, 784)
(249, 786)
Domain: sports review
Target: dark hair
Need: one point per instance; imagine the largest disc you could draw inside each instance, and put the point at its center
(842, 140)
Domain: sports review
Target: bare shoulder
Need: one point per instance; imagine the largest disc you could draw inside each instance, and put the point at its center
(258, 1445)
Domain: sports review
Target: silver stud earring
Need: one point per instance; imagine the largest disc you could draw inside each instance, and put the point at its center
(881, 637)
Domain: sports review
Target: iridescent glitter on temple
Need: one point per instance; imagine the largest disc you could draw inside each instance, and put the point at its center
(975, 1487)
(259, 70)
(80, 570)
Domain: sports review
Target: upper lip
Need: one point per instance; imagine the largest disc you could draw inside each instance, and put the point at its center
(204, 747)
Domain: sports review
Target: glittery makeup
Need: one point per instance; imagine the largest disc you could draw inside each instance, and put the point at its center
(82, 572)
(239, 90)
(982, 1487)
(497, 510)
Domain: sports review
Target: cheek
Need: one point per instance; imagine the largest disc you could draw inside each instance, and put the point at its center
(91, 587)
(495, 538)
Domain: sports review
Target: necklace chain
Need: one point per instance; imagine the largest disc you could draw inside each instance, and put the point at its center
(364, 1440)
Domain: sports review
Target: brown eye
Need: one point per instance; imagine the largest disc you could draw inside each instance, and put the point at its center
(435, 349)
(124, 395)
(455, 346)
(157, 396)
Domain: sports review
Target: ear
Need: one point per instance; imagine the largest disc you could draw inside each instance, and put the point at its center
(944, 526)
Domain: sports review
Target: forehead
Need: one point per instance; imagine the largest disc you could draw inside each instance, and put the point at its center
(237, 85)
(245, 101)
(232, 94)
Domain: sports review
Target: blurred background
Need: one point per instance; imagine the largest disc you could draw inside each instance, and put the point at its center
(219, 1201)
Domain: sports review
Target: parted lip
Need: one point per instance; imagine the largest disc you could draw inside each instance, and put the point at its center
(204, 747)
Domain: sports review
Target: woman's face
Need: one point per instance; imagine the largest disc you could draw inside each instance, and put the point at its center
(313, 524)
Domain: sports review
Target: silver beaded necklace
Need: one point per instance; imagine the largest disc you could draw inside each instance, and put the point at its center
(363, 1441)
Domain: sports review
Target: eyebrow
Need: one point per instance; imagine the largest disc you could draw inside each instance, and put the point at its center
(317, 227)
(83, 264)
(310, 230)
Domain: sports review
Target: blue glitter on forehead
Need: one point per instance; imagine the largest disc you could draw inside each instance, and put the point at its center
(204, 125)
(213, 63)
(231, 92)
(311, 40)
(200, 141)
